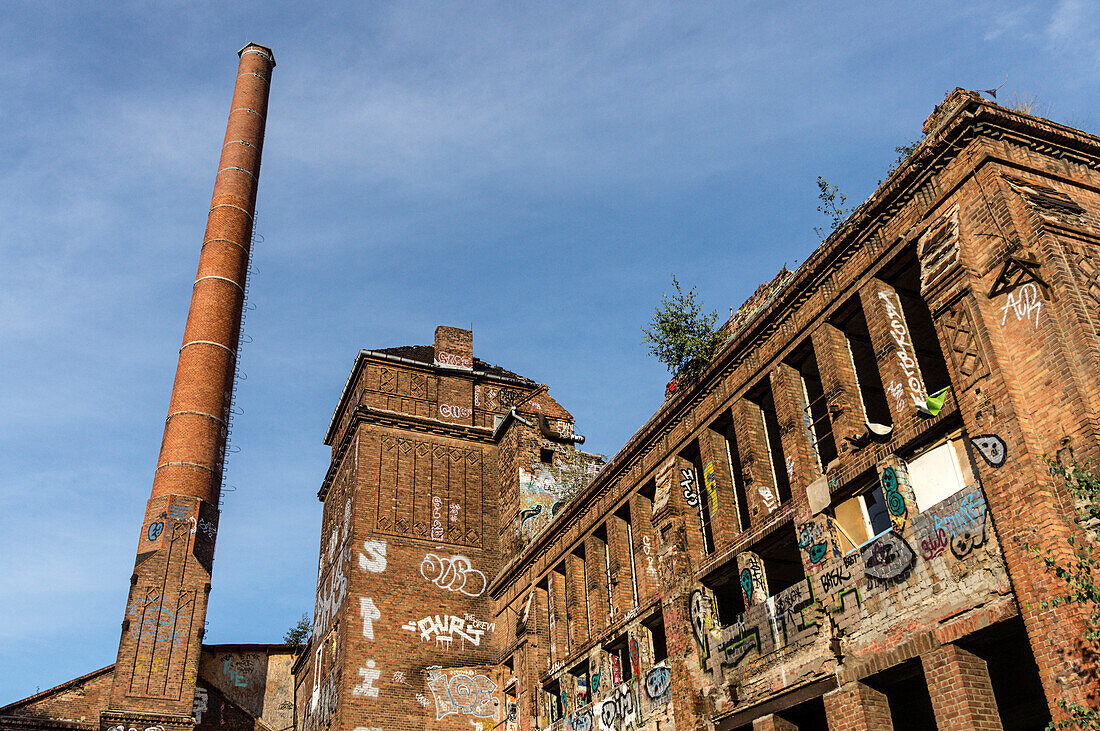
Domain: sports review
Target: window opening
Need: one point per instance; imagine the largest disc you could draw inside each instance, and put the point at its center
(939, 472)
(554, 700)
(623, 514)
(918, 318)
(774, 442)
(861, 517)
(600, 534)
(580, 683)
(656, 627)
(734, 458)
(621, 671)
(546, 456)
(853, 324)
(725, 585)
(815, 409)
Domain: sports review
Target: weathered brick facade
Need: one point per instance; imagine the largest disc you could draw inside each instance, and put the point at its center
(803, 537)
(833, 526)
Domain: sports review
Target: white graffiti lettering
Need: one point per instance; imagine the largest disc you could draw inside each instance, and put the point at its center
(374, 557)
(768, 496)
(443, 629)
(1024, 303)
(463, 694)
(454, 573)
(369, 612)
(369, 676)
(200, 704)
(461, 361)
(906, 359)
(454, 412)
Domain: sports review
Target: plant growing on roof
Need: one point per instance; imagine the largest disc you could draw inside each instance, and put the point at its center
(832, 205)
(297, 635)
(681, 336)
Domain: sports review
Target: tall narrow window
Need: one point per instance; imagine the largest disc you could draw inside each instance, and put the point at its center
(853, 324)
(600, 534)
(922, 331)
(734, 457)
(815, 411)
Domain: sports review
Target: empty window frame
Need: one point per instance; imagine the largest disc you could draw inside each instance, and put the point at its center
(861, 516)
(765, 403)
(580, 679)
(938, 473)
(815, 410)
(623, 515)
(600, 534)
(852, 323)
(555, 700)
(734, 458)
(656, 627)
(729, 601)
(703, 504)
(782, 559)
(904, 277)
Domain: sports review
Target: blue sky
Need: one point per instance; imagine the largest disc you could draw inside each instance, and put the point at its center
(533, 170)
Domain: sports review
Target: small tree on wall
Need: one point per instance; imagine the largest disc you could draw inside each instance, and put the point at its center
(681, 336)
(297, 635)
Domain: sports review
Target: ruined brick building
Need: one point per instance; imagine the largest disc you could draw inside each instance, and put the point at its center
(834, 526)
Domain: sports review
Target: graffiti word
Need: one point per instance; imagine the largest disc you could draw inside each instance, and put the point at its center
(647, 549)
(657, 682)
(399, 677)
(579, 721)
(330, 598)
(325, 700)
(887, 557)
(373, 558)
(1023, 302)
(790, 467)
(934, 546)
(463, 694)
(369, 613)
(632, 647)
(971, 509)
(200, 705)
(687, 482)
(422, 699)
(151, 619)
(207, 528)
(369, 675)
(454, 412)
(437, 521)
(834, 577)
(454, 512)
(898, 392)
(155, 529)
(443, 629)
(453, 573)
(895, 501)
(178, 512)
(753, 581)
(710, 481)
(461, 361)
(905, 358)
(367, 728)
(618, 708)
(990, 446)
(738, 646)
(768, 497)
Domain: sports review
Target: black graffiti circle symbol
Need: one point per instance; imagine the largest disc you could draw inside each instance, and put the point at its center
(992, 449)
(155, 529)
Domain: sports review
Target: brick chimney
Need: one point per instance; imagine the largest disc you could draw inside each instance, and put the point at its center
(454, 347)
(158, 654)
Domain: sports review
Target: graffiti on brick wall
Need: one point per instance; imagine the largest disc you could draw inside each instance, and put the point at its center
(372, 558)
(896, 504)
(959, 522)
(702, 620)
(887, 558)
(904, 351)
(369, 675)
(330, 597)
(443, 630)
(473, 695)
(818, 539)
(1025, 303)
(710, 483)
(767, 496)
(369, 613)
(544, 488)
(619, 711)
(650, 558)
(687, 485)
(657, 682)
(323, 704)
(201, 703)
(453, 573)
(754, 582)
(991, 448)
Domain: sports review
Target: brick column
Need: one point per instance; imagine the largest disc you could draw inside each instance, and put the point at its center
(897, 360)
(771, 722)
(756, 465)
(857, 707)
(645, 547)
(962, 696)
(541, 621)
(619, 553)
(839, 381)
(596, 583)
(718, 489)
(790, 407)
(577, 602)
(559, 625)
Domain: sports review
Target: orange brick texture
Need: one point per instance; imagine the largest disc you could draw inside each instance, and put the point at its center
(857, 707)
(962, 697)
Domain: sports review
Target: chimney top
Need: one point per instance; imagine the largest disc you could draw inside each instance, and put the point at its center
(257, 48)
(454, 347)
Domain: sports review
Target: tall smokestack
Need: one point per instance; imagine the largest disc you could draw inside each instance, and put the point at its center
(158, 654)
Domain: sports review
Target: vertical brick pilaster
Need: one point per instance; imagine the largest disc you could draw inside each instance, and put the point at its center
(962, 697)
(893, 344)
(771, 722)
(839, 381)
(756, 465)
(577, 600)
(790, 406)
(645, 547)
(619, 555)
(718, 489)
(595, 558)
(540, 617)
(857, 707)
(559, 623)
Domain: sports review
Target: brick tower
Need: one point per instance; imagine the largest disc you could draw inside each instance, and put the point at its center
(158, 653)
